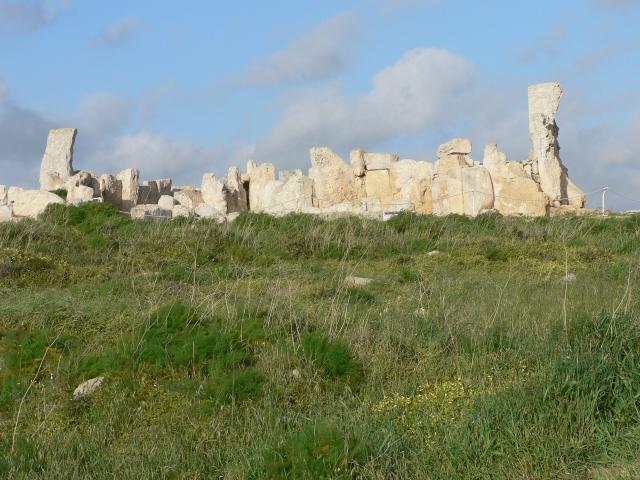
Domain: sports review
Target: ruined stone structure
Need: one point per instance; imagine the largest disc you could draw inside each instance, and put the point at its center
(372, 184)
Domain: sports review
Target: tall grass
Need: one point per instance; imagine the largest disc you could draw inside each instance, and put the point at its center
(238, 351)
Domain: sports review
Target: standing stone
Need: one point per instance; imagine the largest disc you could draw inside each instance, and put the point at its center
(258, 177)
(515, 192)
(380, 161)
(477, 190)
(213, 192)
(234, 192)
(57, 162)
(292, 193)
(111, 190)
(129, 180)
(164, 186)
(3, 194)
(332, 178)
(411, 183)
(546, 165)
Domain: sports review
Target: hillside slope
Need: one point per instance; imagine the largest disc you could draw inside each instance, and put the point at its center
(482, 348)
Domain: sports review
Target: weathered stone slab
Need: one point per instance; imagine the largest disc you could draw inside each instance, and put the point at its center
(258, 177)
(167, 202)
(456, 146)
(111, 190)
(332, 178)
(149, 192)
(188, 198)
(164, 186)
(411, 182)
(31, 203)
(380, 161)
(181, 211)
(57, 162)
(3, 194)
(129, 180)
(478, 190)
(234, 192)
(6, 213)
(205, 210)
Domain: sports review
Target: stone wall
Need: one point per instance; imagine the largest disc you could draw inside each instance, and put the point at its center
(372, 184)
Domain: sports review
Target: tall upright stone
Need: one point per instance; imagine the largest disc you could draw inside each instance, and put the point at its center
(130, 184)
(332, 178)
(546, 165)
(57, 162)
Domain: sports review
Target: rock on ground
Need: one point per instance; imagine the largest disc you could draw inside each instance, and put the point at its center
(146, 212)
(87, 388)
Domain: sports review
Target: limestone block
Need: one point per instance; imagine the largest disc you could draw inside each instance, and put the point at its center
(259, 177)
(111, 190)
(80, 194)
(456, 146)
(493, 157)
(332, 178)
(164, 186)
(167, 202)
(189, 198)
(6, 214)
(447, 188)
(287, 174)
(57, 162)
(380, 161)
(291, 195)
(411, 183)
(213, 192)
(378, 184)
(340, 210)
(130, 185)
(181, 211)
(205, 210)
(31, 203)
(547, 168)
(478, 190)
(3, 194)
(148, 212)
(87, 388)
(234, 192)
(358, 165)
(515, 192)
(575, 196)
(149, 192)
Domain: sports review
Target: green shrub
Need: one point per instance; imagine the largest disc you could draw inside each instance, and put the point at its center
(319, 450)
(235, 386)
(333, 357)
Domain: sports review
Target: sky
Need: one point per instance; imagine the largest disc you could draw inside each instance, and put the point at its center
(178, 89)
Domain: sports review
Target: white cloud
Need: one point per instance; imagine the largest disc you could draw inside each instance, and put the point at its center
(120, 31)
(421, 90)
(322, 52)
(157, 156)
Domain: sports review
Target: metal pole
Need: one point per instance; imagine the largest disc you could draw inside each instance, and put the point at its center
(604, 192)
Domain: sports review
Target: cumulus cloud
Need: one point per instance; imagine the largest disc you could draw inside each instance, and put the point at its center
(29, 15)
(120, 31)
(157, 156)
(322, 52)
(419, 91)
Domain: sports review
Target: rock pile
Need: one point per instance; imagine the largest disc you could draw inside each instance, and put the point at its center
(372, 184)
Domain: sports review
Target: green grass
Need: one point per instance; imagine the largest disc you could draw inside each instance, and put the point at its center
(238, 351)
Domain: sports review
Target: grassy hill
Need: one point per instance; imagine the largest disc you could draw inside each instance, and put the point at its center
(483, 348)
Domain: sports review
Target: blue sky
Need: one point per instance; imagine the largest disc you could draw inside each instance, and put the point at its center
(181, 88)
